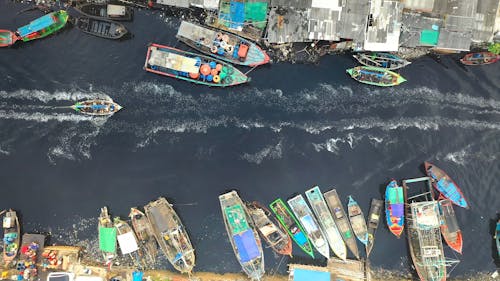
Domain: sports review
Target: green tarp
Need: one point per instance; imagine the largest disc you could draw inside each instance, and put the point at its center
(236, 217)
(256, 12)
(429, 37)
(107, 239)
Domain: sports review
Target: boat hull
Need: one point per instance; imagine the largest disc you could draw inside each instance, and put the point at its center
(375, 76)
(97, 107)
(373, 222)
(480, 58)
(7, 38)
(394, 208)
(30, 32)
(445, 185)
(106, 237)
(12, 234)
(497, 237)
(449, 226)
(100, 11)
(384, 60)
(101, 28)
(357, 220)
(144, 232)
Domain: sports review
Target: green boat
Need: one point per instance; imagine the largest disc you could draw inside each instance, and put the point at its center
(376, 76)
(292, 226)
(43, 26)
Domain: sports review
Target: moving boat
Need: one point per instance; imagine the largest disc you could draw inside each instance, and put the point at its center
(292, 226)
(357, 220)
(376, 76)
(144, 233)
(445, 185)
(497, 237)
(394, 208)
(126, 239)
(325, 219)
(43, 26)
(306, 218)
(449, 226)
(7, 38)
(171, 235)
(107, 237)
(244, 238)
(373, 221)
(383, 60)
(106, 11)
(192, 67)
(275, 236)
(480, 58)
(340, 218)
(101, 27)
(11, 236)
(97, 107)
(222, 45)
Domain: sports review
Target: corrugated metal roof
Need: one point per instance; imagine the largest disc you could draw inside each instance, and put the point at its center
(287, 25)
(322, 24)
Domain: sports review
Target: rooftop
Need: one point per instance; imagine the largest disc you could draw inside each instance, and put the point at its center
(384, 26)
(287, 25)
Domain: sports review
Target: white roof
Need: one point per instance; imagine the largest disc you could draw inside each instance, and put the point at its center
(173, 61)
(116, 10)
(128, 243)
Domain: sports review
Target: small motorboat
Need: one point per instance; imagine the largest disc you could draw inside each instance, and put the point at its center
(376, 76)
(357, 220)
(445, 185)
(101, 27)
(372, 223)
(394, 208)
(449, 226)
(383, 60)
(106, 11)
(7, 38)
(480, 58)
(97, 107)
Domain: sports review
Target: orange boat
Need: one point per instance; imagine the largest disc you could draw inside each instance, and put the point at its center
(7, 38)
(449, 226)
(480, 58)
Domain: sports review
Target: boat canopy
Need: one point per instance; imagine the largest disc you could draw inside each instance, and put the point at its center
(308, 223)
(395, 195)
(107, 239)
(196, 33)
(247, 246)
(236, 217)
(268, 229)
(174, 61)
(426, 215)
(300, 274)
(116, 10)
(127, 243)
(37, 25)
(300, 238)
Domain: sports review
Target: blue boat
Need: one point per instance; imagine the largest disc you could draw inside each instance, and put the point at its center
(394, 208)
(497, 237)
(445, 185)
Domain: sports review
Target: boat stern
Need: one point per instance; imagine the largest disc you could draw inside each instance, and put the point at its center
(400, 80)
(350, 71)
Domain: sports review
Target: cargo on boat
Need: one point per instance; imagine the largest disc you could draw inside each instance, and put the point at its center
(192, 67)
(275, 236)
(101, 27)
(373, 221)
(449, 226)
(144, 233)
(382, 60)
(394, 208)
(375, 76)
(97, 107)
(325, 219)
(357, 220)
(306, 218)
(480, 58)
(106, 11)
(445, 185)
(242, 235)
(292, 226)
(341, 220)
(43, 26)
(171, 235)
(107, 237)
(7, 38)
(222, 45)
(31, 255)
(127, 240)
(11, 236)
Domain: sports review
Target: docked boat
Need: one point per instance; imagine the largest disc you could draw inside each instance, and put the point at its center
(449, 226)
(480, 58)
(171, 235)
(127, 239)
(357, 220)
(375, 76)
(292, 226)
(107, 237)
(7, 38)
(382, 60)
(373, 221)
(244, 238)
(394, 208)
(275, 236)
(101, 27)
(497, 237)
(106, 11)
(11, 236)
(97, 107)
(222, 45)
(341, 220)
(306, 218)
(192, 67)
(144, 233)
(43, 26)
(445, 185)
(325, 219)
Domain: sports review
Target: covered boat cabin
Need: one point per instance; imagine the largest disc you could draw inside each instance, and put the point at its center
(37, 25)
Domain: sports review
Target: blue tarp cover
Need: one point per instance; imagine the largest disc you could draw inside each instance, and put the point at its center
(310, 275)
(300, 238)
(397, 210)
(246, 245)
(137, 275)
(36, 25)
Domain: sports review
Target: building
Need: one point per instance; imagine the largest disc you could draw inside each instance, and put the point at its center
(384, 26)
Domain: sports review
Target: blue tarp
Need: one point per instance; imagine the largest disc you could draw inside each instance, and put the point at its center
(247, 246)
(300, 238)
(237, 11)
(98, 106)
(309, 275)
(36, 25)
(137, 275)
(397, 210)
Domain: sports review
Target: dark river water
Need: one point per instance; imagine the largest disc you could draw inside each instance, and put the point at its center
(292, 127)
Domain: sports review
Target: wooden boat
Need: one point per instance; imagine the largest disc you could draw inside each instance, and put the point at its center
(144, 233)
(341, 220)
(7, 38)
(449, 226)
(382, 60)
(480, 58)
(222, 45)
(275, 236)
(375, 76)
(445, 185)
(107, 237)
(97, 107)
(127, 240)
(325, 219)
(292, 226)
(31, 254)
(357, 220)
(11, 236)
(101, 27)
(497, 237)
(244, 238)
(171, 235)
(373, 221)
(192, 67)
(106, 11)
(394, 208)
(306, 218)
(43, 26)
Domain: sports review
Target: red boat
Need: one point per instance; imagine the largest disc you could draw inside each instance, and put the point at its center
(449, 226)
(480, 58)
(7, 38)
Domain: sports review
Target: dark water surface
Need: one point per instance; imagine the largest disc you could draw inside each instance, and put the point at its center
(292, 127)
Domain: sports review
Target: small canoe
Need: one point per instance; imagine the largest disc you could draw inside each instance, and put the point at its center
(497, 237)
(449, 226)
(7, 38)
(101, 28)
(373, 221)
(357, 220)
(97, 107)
(394, 208)
(445, 185)
(375, 76)
(292, 226)
(480, 58)
(145, 234)
(11, 236)
(107, 237)
(106, 11)
(382, 60)
(43, 26)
